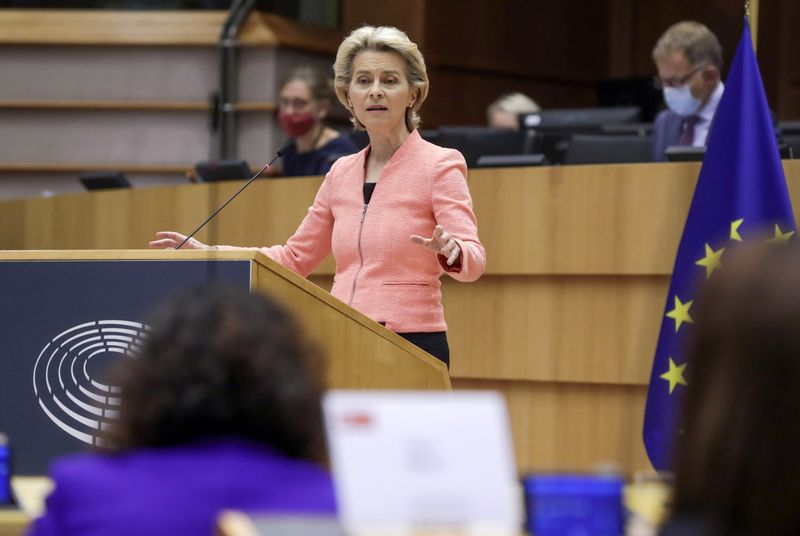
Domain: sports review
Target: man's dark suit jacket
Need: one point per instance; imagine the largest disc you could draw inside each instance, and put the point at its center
(666, 132)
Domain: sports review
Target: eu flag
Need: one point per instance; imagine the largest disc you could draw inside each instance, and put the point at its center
(741, 193)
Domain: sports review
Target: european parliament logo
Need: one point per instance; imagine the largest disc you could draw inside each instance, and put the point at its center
(64, 324)
(69, 375)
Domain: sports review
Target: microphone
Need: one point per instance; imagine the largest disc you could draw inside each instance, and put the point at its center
(254, 177)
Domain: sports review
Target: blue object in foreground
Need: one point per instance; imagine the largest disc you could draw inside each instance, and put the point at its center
(574, 505)
(5, 471)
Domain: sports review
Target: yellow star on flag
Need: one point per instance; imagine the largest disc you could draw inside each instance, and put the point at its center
(735, 229)
(674, 375)
(711, 261)
(780, 237)
(681, 313)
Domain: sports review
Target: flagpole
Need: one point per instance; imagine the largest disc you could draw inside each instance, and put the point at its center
(751, 11)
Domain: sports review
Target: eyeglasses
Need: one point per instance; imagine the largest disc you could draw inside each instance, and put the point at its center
(676, 81)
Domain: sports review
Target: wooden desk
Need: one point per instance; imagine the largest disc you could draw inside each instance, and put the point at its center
(13, 522)
(564, 322)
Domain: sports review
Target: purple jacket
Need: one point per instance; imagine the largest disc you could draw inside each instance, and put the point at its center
(178, 490)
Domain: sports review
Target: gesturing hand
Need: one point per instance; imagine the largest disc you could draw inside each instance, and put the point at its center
(440, 242)
(171, 239)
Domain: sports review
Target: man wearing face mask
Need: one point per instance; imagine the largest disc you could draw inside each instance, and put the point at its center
(689, 61)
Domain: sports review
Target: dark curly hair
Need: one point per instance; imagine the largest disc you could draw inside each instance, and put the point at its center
(222, 362)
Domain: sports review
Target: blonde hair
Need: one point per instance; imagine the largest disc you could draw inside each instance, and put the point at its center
(514, 103)
(381, 39)
(695, 40)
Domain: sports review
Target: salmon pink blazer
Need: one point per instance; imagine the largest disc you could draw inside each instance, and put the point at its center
(379, 271)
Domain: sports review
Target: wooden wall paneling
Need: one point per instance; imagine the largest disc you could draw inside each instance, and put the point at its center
(408, 15)
(572, 427)
(771, 52)
(266, 214)
(789, 69)
(58, 226)
(557, 51)
(569, 220)
(180, 208)
(103, 27)
(582, 219)
(555, 328)
(622, 34)
(723, 17)
(482, 50)
(12, 225)
(460, 96)
(528, 37)
(272, 208)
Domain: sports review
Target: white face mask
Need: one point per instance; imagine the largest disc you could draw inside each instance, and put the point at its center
(680, 100)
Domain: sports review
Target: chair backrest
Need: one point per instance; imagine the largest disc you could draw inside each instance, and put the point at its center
(793, 143)
(222, 170)
(475, 142)
(599, 149)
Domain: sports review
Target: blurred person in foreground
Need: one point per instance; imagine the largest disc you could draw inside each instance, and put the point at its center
(221, 409)
(737, 468)
(396, 215)
(505, 111)
(688, 58)
(305, 99)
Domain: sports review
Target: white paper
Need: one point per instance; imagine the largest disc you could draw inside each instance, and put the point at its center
(405, 460)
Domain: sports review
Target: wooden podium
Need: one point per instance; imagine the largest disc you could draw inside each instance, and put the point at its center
(361, 354)
(68, 316)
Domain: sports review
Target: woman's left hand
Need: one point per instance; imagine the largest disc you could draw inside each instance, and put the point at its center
(440, 242)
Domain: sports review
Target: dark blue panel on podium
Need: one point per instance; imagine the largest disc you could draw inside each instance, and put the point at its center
(63, 324)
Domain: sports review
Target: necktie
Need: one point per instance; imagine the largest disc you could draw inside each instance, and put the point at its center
(687, 136)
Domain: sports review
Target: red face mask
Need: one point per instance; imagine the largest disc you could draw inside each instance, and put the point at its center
(295, 125)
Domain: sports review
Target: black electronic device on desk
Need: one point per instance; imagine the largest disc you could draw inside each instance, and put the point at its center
(685, 153)
(559, 125)
(512, 160)
(222, 170)
(604, 149)
(6, 498)
(104, 180)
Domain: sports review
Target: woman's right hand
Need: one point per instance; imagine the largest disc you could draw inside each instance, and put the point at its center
(171, 240)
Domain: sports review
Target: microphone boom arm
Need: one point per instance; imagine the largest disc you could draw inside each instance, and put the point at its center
(254, 177)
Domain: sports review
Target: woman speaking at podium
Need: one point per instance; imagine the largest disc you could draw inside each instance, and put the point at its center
(395, 215)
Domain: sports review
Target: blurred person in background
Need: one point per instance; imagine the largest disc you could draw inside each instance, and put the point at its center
(737, 470)
(220, 410)
(305, 99)
(504, 112)
(689, 61)
(396, 215)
